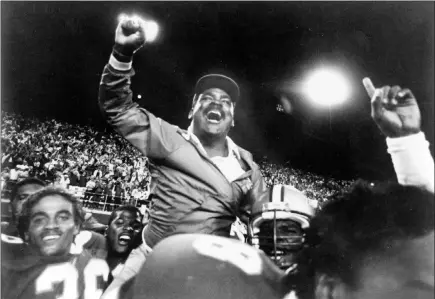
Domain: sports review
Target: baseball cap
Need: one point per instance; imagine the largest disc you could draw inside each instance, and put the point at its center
(218, 81)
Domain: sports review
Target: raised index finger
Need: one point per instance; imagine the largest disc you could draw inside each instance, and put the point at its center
(370, 88)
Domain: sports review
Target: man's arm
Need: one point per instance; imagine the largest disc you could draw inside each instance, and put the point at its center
(396, 113)
(151, 136)
(412, 160)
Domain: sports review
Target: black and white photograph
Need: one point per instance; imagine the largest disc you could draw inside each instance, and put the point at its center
(217, 149)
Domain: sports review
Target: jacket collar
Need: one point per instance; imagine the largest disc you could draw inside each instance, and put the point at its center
(232, 147)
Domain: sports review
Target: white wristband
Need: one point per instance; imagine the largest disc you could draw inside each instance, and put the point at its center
(118, 65)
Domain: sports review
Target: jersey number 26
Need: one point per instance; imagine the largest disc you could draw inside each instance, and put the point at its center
(67, 274)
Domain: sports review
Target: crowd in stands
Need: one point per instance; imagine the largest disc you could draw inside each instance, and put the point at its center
(314, 186)
(74, 156)
(107, 166)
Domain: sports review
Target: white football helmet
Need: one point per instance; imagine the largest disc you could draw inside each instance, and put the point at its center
(277, 227)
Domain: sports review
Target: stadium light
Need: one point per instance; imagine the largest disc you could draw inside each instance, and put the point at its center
(151, 31)
(327, 87)
(139, 96)
(151, 27)
(121, 17)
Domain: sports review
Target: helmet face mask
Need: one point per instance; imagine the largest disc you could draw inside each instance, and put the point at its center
(277, 227)
(288, 236)
(279, 239)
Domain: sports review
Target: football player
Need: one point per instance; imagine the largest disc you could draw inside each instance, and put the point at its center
(11, 239)
(375, 242)
(123, 235)
(11, 242)
(368, 244)
(19, 193)
(372, 242)
(50, 220)
(194, 266)
(277, 227)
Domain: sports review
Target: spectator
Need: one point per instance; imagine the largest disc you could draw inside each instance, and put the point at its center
(98, 193)
(83, 178)
(128, 197)
(64, 180)
(90, 189)
(23, 170)
(74, 177)
(136, 195)
(108, 192)
(82, 153)
(118, 191)
(49, 147)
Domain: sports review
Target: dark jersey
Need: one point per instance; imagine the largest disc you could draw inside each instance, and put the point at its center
(203, 266)
(12, 247)
(10, 229)
(40, 277)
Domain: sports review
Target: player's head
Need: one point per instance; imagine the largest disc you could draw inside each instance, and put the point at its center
(49, 221)
(213, 105)
(373, 242)
(277, 227)
(124, 228)
(197, 266)
(21, 191)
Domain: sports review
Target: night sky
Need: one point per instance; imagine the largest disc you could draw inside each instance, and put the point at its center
(53, 53)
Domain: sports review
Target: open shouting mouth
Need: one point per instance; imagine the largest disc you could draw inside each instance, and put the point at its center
(124, 239)
(214, 116)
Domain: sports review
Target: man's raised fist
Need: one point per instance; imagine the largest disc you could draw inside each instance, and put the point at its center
(130, 35)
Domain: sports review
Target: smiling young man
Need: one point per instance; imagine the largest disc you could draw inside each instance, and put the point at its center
(49, 222)
(51, 225)
(11, 239)
(201, 179)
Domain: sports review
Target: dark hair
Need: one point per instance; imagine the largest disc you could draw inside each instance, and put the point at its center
(26, 181)
(369, 219)
(32, 200)
(128, 208)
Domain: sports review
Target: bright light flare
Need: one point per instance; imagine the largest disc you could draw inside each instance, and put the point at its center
(122, 17)
(151, 31)
(151, 27)
(327, 87)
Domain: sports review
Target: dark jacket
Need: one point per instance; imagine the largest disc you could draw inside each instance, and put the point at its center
(190, 194)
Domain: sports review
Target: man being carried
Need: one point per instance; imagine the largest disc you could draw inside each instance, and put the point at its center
(202, 180)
